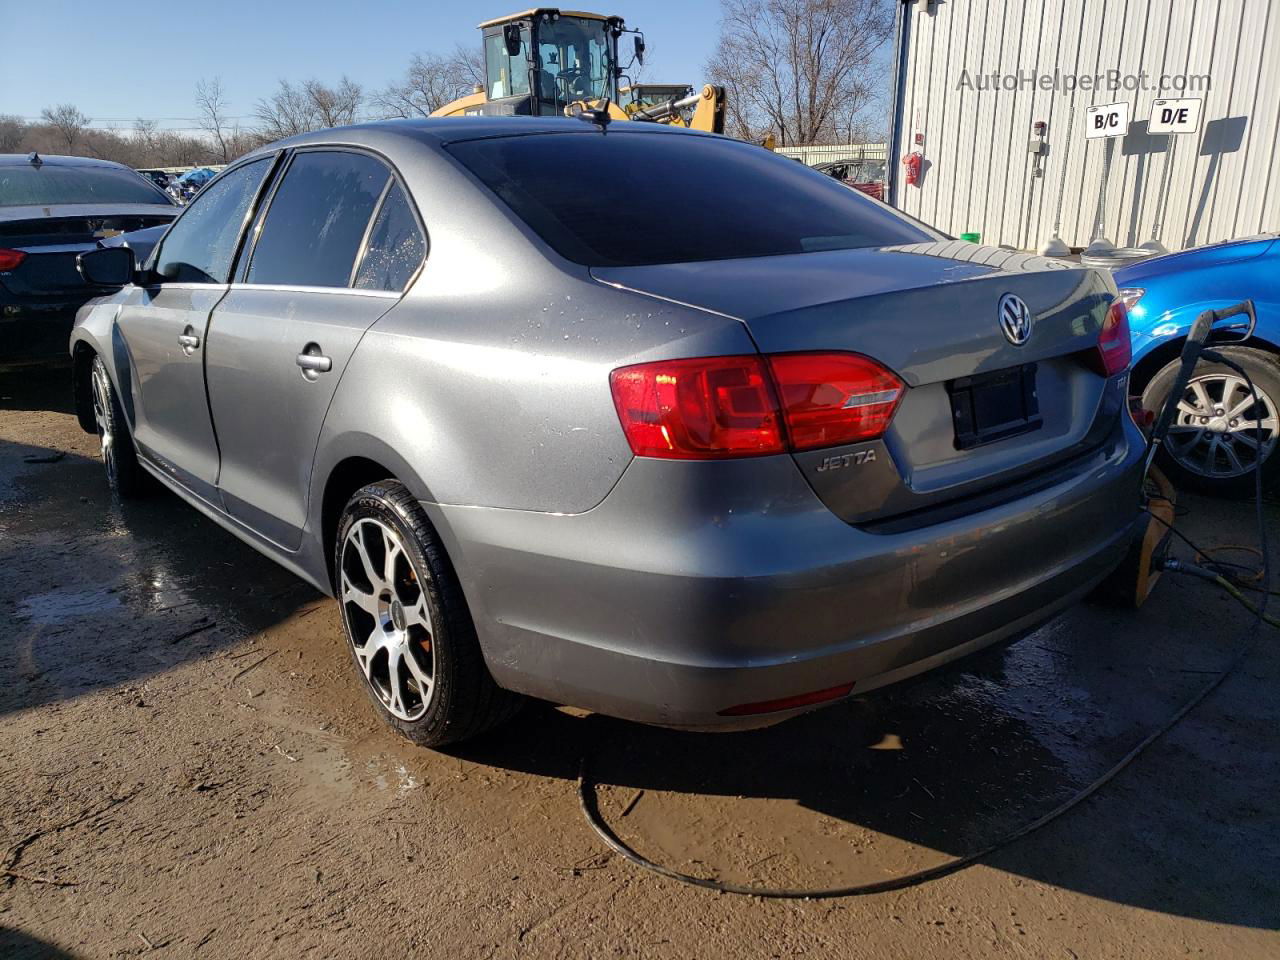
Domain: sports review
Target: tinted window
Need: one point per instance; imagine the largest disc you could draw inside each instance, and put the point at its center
(47, 184)
(317, 219)
(396, 246)
(200, 245)
(735, 200)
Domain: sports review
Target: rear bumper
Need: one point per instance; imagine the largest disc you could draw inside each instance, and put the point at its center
(695, 588)
(37, 329)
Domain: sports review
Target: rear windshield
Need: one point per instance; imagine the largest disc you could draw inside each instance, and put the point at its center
(49, 184)
(629, 199)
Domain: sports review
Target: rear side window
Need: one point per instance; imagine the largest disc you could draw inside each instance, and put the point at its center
(317, 220)
(731, 199)
(50, 183)
(396, 246)
(199, 246)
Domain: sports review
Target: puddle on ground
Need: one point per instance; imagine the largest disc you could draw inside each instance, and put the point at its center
(58, 606)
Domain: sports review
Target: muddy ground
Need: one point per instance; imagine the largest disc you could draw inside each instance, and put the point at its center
(188, 767)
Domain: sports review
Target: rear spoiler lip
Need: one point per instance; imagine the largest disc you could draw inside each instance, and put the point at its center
(38, 212)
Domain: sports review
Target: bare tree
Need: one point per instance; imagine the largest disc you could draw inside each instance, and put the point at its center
(213, 120)
(286, 112)
(430, 82)
(308, 106)
(799, 69)
(12, 132)
(335, 106)
(67, 120)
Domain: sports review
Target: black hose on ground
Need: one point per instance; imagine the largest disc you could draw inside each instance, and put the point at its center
(591, 808)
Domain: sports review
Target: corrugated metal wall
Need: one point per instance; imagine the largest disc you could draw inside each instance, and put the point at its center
(1224, 181)
(812, 156)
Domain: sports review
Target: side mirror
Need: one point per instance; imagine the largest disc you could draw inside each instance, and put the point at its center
(639, 49)
(511, 37)
(107, 267)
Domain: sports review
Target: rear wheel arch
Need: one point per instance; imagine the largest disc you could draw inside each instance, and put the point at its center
(363, 460)
(346, 477)
(1159, 357)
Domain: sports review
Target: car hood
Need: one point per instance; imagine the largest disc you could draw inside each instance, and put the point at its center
(1230, 251)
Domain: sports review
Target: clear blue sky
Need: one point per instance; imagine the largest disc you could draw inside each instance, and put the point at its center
(120, 60)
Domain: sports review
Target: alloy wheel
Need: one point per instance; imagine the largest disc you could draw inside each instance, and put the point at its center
(388, 615)
(1215, 434)
(101, 389)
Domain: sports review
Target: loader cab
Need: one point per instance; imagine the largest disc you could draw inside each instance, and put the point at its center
(540, 61)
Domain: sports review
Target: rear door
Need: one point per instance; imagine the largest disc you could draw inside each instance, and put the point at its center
(164, 324)
(333, 250)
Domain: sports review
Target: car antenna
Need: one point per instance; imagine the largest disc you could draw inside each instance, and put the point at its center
(599, 114)
(34, 159)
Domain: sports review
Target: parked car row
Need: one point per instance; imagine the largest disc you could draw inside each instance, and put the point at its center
(180, 186)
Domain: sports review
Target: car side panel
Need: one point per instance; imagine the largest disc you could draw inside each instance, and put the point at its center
(171, 424)
(266, 412)
(1174, 299)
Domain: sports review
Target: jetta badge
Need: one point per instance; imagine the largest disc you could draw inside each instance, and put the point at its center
(1015, 319)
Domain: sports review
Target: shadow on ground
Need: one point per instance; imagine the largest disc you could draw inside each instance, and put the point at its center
(16, 945)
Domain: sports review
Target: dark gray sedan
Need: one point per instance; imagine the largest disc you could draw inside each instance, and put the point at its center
(704, 454)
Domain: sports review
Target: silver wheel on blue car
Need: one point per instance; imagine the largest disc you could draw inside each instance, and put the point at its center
(120, 460)
(1221, 432)
(407, 622)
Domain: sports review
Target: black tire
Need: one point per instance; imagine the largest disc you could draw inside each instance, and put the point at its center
(1264, 371)
(462, 700)
(125, 475)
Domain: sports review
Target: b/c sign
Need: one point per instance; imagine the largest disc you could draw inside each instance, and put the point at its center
(1106, 120)
(1175, 116)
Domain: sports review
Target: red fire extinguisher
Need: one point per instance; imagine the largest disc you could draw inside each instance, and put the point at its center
(912, 162)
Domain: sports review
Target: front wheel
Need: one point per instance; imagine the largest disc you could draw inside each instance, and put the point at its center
(407, 623)
(125, 475)
(1220, 433)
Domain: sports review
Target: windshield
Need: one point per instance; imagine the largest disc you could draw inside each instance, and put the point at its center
(506, 76)
(48, 184)
(734, 199)
(574, 62)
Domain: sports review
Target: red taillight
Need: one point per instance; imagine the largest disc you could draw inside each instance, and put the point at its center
(700, 409)
(9, 259)
(1114, 348)
(710, 408)
(834, 398)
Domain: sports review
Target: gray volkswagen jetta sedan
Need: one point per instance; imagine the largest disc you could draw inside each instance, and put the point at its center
(635, 419)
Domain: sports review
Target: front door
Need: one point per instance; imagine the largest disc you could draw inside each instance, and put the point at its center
(281, 339)
(164, 325)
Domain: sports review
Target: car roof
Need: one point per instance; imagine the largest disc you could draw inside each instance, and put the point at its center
(445, 130)
(24, 159)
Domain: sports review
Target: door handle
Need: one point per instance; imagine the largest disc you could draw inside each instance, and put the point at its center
(189, 342)
(314, 362)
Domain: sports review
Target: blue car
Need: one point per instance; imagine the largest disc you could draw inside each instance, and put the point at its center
(1213, 445)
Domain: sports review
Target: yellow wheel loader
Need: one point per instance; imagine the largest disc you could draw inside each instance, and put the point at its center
(548, 62)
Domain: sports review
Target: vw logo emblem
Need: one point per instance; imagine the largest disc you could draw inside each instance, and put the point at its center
(1015, 319)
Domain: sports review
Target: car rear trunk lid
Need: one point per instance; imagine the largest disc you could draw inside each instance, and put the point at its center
(929, 313)
(52, 237)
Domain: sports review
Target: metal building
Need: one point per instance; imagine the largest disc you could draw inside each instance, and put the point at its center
(978, 148)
